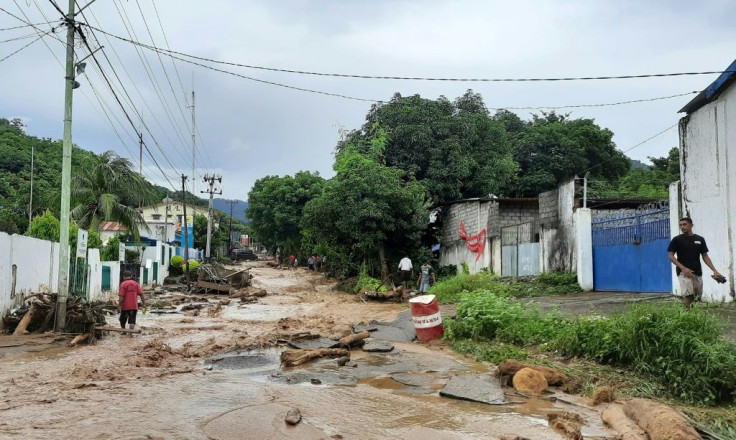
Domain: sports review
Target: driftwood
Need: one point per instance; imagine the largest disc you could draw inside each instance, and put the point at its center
(23, 324)
(291, 358)
(117, 329)
(355, 337)
(628, 429)
(79, 338)
(660, 421)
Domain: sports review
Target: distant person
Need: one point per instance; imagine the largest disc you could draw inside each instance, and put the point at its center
(292, 259)
(689, 248)
(296, 262)
(129, 292)
(405, 269)
(426, 277)
(310, 263)
(278, 258)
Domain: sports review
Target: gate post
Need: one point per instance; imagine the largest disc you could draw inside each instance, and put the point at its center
(584, 248)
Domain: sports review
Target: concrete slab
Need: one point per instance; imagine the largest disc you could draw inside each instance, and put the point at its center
(300, 377)
(378, 347)
(482, 388)
(309, 344)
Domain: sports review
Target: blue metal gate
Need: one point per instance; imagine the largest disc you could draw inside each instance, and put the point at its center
(630, 253)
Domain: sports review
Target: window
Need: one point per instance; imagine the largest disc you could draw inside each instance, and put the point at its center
(156, 216)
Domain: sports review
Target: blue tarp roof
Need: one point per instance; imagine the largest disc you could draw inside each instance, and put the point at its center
(435, 248)
(712, 91)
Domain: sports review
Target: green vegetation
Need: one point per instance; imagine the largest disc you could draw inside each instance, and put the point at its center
(681, 350)
(111, 251)
(450, 290)
(368, 283)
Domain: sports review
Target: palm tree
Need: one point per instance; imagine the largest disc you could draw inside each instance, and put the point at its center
(109, 189)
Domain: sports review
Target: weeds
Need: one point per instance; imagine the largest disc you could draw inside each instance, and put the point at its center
(450, 290)
(683, 350)
(368, 283)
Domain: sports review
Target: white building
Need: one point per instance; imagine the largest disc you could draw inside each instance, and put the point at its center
(165, 219)
(707, 192)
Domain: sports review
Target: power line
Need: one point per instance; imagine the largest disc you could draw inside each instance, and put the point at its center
(23, 47)
(423, 78)
(633, 101)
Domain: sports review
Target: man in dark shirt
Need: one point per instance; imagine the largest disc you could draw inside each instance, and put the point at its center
(689, 248)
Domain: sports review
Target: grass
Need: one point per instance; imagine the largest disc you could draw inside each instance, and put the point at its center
(451, 290)
(681, 351)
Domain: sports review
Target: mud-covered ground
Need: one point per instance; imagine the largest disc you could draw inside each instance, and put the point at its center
(157, 385)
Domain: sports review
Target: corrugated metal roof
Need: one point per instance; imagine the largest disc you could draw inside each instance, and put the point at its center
(712, 92)
(112, 227)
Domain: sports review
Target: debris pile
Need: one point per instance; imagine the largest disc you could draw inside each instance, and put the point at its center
(38, 316)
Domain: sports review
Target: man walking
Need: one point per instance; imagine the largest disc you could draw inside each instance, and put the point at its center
(130, 290)
(405, 268)
(689, 248)
(426, 276)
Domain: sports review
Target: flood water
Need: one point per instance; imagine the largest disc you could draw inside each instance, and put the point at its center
(144, 388)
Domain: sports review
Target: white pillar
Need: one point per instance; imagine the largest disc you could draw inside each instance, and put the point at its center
(674, 226)
(584, 248)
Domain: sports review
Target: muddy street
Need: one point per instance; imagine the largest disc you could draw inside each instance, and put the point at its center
(214, 373)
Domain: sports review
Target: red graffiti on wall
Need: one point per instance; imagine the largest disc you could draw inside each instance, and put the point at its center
(476, 243)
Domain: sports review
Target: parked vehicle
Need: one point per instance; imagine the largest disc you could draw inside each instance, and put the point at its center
(243, 254)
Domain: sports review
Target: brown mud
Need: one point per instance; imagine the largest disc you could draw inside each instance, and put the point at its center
(155, 385)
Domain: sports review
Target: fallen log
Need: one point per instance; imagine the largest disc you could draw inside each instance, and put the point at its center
(355, 337)
(660, 421)
(291, 358)
(118, 329)
(23, 324)
(615, 417)
(79, 338)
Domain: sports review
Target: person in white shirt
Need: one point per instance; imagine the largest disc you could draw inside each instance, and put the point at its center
(405, 270)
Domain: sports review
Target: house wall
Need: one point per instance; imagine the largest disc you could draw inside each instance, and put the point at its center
(36, 268)
(114, 278)
(474, 215)
(708, 194)
(557, 229)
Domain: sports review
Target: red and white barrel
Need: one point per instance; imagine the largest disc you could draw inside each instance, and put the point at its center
(425, 312)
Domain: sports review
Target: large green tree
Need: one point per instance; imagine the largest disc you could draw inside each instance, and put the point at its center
(552, 148)
(368, 210)
(108, 188)
(453, 148)
(275, 206)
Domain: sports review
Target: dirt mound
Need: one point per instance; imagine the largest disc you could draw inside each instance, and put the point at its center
(567, 424)
(604, 394)
(554, 377)
(660, 421)
(530, 381)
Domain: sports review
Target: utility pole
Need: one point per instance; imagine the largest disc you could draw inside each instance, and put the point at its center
(184, 227)
(140, 150)
(66, 174)
(30, 202)
(211, 180)
(230, 228)
(194, 146)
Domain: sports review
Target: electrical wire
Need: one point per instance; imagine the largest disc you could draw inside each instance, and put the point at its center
(23, 47)
(423, 78)
(633, 101)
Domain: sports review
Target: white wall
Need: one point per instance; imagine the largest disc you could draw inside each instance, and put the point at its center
(36, 267)
(557, 244)
(584, 247)
(114, 277)
(675, 215)
(453, 251)
(708, 194)
(95, 276)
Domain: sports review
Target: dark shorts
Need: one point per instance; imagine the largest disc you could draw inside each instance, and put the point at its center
(405, 275)
(128, 316)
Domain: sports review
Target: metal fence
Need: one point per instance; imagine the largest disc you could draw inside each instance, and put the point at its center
(78, 280)
(632, 229)
(520, 249)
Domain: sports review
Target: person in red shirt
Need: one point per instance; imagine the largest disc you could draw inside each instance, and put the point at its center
(130, 290)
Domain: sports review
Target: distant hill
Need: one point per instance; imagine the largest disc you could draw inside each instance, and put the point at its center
(238, 208)
(637, 165)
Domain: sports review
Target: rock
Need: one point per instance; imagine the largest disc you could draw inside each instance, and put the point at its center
(475, 387)
(378, 347)
(342, 361)
(604, 395)
(260, 294)
(313, 343)
(530, 381)
(293, 416)
(660, 421)
(314, 381)
(554, 377)
(512, 437)
(224, 302)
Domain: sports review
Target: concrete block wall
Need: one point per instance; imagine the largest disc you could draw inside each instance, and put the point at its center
(548, 209)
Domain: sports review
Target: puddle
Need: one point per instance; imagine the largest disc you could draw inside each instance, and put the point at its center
(247, 361)
(265, 312)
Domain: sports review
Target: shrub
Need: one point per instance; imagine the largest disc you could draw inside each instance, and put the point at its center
(451, 289)
(175, 265)
(681, 347)
(367, 282)
(483, 315)
(466, 269)
(193, 266)
(444, 272)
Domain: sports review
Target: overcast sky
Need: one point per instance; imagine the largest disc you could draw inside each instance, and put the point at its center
(247, 129)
